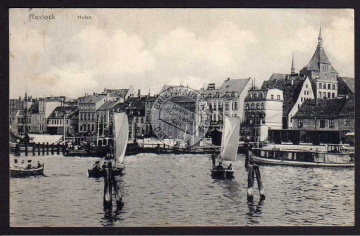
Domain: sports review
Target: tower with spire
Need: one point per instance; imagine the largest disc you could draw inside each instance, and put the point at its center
(322, 73)
(293, 65)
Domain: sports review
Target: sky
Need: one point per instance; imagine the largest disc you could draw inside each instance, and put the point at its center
(147, 48)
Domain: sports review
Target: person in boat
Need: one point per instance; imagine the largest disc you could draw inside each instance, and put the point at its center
(213, 158)
(219, 166)
(104, 166)
(96, 166)
(38, 164)
(23, 164)
(229, 167)
(29, 166)
(16, 164)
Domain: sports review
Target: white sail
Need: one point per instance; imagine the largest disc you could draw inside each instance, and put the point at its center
(230, 138)
(14, 124)
(121, 135)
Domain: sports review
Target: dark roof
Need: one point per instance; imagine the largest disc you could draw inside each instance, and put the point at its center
(59, 112)
(320, 108)
(93, 98)
(108, 105)
(318, 57)
(34, 108)
(233, 85)
(346, 85)
(121, 92)
(349, 108)
(291, 90)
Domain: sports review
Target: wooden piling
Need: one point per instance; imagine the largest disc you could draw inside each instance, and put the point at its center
(108, 186)
(250, 192)
(259, 182)
(38, 148)
(43, 148)
(118, 196)
(52, 149)
(33, 150)
(26, 149)
(17, 149)
(58, 149)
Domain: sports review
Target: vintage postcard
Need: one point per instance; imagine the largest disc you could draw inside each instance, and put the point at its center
(181, 117)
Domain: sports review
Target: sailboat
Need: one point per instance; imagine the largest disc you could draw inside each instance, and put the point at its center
(229, 147)
(121, 135)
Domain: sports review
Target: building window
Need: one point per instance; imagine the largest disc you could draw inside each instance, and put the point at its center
(329, 95)
(257, 106)
(235, 106)
(252, 106)
(300, 123)
(320, 85)
(324, 86)
(262, 105)
(306, 86)
(333, 95)
(331, 123)
(272, 96)
(322, 123)
(347, 122)
(329, 86)
(333, 86)
(278, 97)
(226, 106)
(247, 107)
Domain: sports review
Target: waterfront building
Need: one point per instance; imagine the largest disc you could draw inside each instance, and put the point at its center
(263, 111)
(228, 100)
(17, 111)
(63, 118)
(149, 101)
(296, 89)
(88, 105)
(335, 116)
(322, 74)
(46, 107)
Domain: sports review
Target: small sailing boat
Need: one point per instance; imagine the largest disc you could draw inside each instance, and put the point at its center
(229, 147)
(121, 135)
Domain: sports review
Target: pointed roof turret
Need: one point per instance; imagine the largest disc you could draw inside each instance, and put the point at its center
(292, 65)
(318, 57)
(320, 39)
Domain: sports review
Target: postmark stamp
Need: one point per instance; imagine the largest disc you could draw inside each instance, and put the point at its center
(180, 113)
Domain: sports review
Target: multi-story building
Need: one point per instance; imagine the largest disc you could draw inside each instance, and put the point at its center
(331, 118)
(296, 89)
(263, 111)
(149, 101)
(322, 73)
(63, 118)
(228, 100)
(46, 107)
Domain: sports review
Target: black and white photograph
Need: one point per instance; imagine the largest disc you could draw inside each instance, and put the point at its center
(181, 117)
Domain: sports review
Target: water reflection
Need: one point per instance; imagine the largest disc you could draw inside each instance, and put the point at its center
(254, 213)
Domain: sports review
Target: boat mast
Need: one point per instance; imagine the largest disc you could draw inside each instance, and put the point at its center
(25, 114)
(98, 130)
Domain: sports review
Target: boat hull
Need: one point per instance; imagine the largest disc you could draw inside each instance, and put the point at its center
(269, 161)
(101, 173)
(221, 174)
(20, 173)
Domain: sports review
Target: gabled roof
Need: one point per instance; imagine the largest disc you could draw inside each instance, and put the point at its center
(121, 92)
(346, 85)
(233, 85)
(291, 87)
(108, 105)
(93, 98)
(318, 57)
(321, 108)
(349, 108)
(60, 111)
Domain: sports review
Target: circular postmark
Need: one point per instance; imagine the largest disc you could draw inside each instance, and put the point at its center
(180, 114)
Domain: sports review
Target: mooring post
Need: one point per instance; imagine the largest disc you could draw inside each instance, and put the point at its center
(118, 196)
(43, 148)
(58, 149)
(47, 148)
(26, 149)
(107, 186)
(52, 148)
(38, 148)
(250, 192)
(259, 182)
(17, 149)
(33, 150)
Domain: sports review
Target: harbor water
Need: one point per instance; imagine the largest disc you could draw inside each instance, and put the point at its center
(177, 190)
